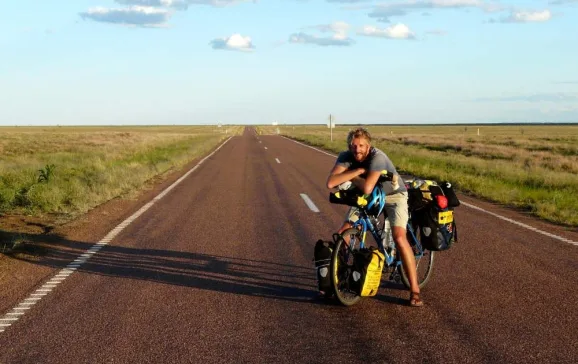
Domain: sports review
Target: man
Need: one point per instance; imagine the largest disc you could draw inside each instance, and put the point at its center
(362, 165)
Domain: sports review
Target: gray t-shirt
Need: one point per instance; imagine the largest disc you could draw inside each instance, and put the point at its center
(377, 160)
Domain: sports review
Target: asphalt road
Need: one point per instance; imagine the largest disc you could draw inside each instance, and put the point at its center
(219, 270)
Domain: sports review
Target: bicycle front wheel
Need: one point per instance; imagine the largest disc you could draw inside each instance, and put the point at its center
(342, 265)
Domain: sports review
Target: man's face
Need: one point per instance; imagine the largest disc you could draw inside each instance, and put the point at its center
(360, 148)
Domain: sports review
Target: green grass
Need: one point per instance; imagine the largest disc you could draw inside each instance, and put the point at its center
(530, 167)
(69, 170)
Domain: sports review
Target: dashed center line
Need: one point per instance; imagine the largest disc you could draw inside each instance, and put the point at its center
(10, 318)
(309, 203)
(277, 159)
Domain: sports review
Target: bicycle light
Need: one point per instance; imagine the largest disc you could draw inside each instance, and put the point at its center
(442, 201)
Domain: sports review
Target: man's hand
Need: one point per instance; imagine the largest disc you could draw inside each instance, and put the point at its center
(340, 174)
(366, 185)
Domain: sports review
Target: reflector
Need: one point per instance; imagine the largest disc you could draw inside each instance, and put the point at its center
(442, 201)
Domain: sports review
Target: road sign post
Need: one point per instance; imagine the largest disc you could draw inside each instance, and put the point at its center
(331, 126)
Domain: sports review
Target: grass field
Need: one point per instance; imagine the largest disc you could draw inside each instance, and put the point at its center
(69, 170)
(533, 167)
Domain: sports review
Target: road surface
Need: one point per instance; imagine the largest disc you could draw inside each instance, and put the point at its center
(219, 270)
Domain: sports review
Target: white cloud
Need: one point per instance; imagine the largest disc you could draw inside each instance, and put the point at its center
(336, 40)
(525, 17)
(562, 2)
(541, 97)
(180, 4)
(336, 27)
(176, 4)
(397, 31)
(143, 16)
(219, 3)
(339, 37)
(235, 42)
(529, 16)
(384, 12)
(147, 13)
(348, 1)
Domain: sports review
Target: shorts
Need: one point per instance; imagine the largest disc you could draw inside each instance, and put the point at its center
(395, 207)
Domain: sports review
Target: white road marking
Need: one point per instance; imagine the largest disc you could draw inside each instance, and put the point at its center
(521, 224)
(277, 159)
(265, 147)
(309, 203)
(308, 146)
(87, 254)
(472, 206)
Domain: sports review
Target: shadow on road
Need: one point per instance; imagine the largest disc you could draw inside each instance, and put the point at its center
(209, 272)
(251, 277)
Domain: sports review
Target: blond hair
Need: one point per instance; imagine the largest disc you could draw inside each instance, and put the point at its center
(357, 133)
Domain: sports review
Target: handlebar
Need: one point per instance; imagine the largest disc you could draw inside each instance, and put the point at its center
(386, 176)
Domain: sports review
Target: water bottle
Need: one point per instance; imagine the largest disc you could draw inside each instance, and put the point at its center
(387, 237)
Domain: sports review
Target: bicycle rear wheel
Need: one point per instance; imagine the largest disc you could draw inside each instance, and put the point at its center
(342, 266)
(424, 265)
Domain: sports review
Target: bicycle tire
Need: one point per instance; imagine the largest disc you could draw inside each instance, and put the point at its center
(340, 272)
(426, 262)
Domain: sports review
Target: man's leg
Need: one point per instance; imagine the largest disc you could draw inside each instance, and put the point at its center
(398, 210)
(350, 218)
(409, 264)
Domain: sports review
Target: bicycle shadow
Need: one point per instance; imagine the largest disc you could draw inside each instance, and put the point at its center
(390, 287)
(225, 274)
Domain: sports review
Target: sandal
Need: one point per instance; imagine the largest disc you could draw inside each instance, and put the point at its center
(414, 300)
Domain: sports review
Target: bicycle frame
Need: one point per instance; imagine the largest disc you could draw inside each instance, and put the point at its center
(366, 225)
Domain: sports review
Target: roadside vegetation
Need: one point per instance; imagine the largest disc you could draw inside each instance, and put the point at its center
(66, 171)
(532, 167)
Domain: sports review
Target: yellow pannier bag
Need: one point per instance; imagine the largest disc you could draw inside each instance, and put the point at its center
(366, 276)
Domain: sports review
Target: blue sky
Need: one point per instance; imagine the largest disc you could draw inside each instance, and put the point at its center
(92, 62)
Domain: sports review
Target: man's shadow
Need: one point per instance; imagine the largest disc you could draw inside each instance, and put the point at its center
(227, 274)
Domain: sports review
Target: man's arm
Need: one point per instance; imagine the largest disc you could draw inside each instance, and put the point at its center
(340, 174)
(367, 185)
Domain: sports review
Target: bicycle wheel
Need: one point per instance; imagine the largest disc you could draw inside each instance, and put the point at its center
(424, 265)
(342, 267)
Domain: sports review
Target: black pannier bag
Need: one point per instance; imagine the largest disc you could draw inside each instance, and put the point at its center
(346, 197)
(431, 215)
(415, 199)
(421, 193)
(450, 194)
(437, 230)
(322, 259)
